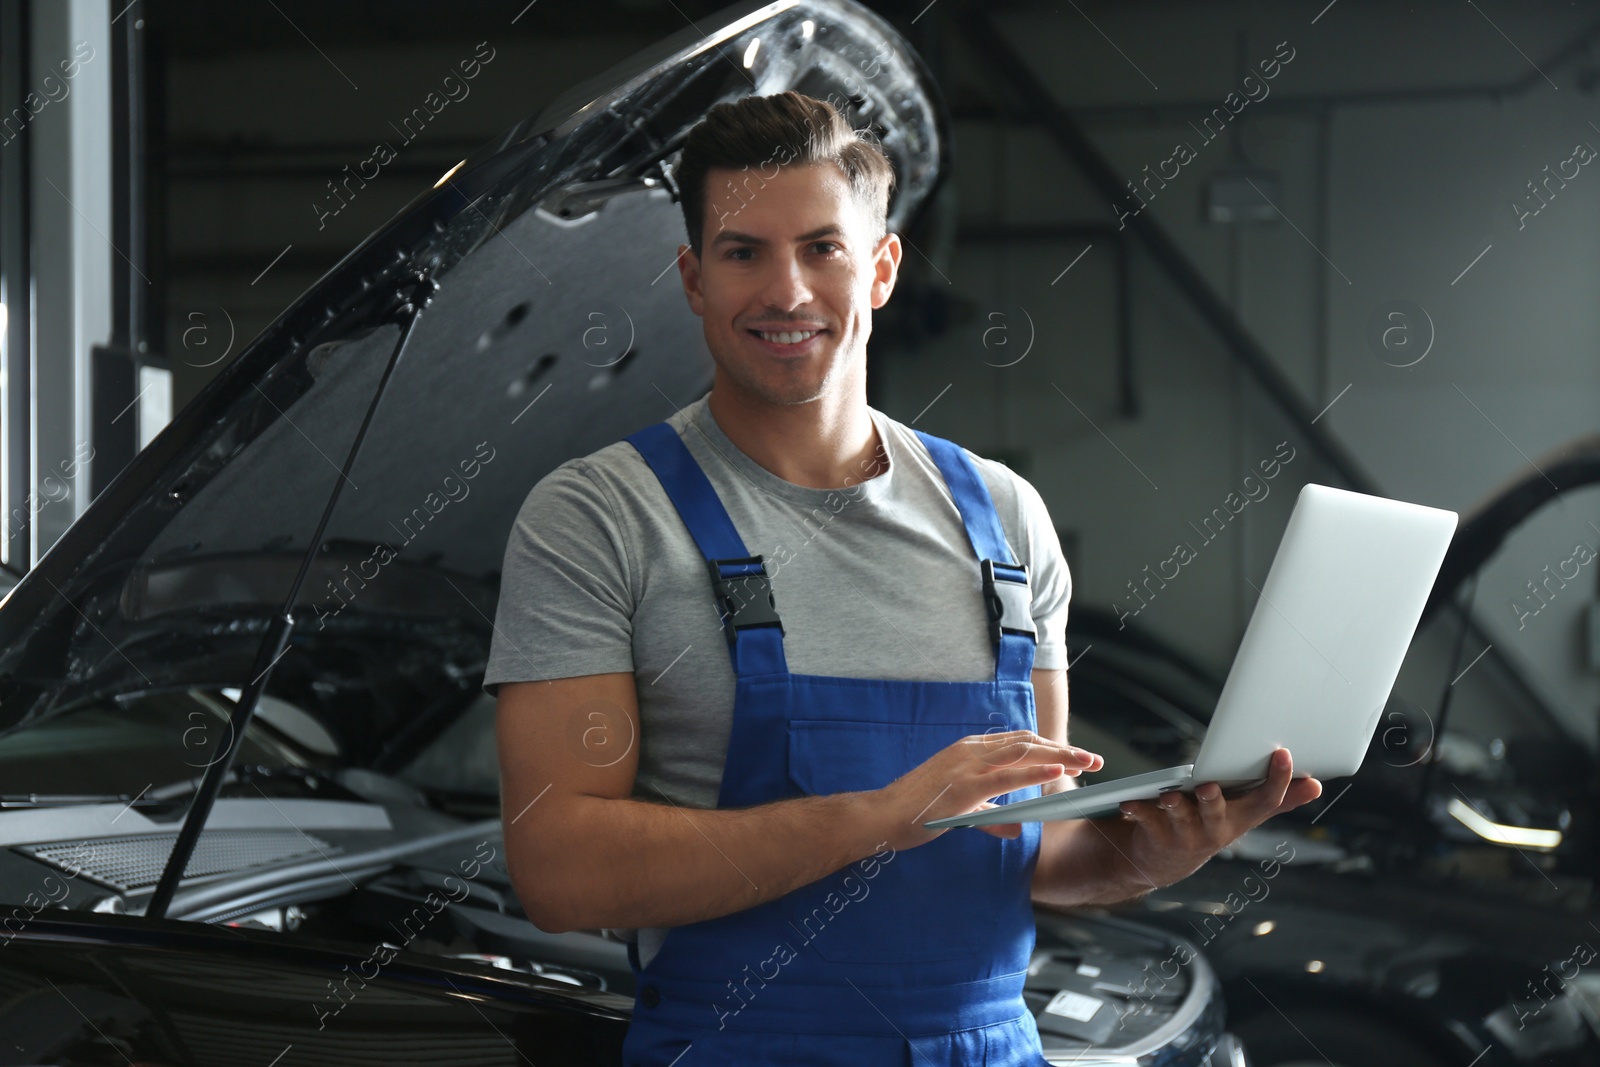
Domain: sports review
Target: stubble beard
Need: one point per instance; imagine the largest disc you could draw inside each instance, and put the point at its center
(783, 387)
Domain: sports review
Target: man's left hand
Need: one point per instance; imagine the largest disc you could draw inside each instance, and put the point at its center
(1177, 833)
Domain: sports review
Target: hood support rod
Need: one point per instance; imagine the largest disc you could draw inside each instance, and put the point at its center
(405, 308)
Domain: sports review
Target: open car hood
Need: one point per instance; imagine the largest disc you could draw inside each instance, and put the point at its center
(555, 330)
(1485, 528)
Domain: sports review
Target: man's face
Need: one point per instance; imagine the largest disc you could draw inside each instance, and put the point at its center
(784, 255)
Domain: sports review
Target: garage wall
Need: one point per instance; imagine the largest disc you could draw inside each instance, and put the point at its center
(1414, 191)
(1515, 371)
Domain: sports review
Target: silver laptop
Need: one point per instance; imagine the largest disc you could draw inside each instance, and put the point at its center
(1323, 647)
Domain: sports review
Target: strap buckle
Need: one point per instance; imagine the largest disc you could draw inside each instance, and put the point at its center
(1010, 603)
(743, 595)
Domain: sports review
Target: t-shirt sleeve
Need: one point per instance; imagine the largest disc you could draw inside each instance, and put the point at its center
(1049, 579)
(565, 606)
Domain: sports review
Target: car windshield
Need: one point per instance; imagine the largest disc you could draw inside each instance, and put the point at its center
(462, 759)
(139, 744)
(129, 746)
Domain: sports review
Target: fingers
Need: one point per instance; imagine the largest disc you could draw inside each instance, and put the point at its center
(1179, 809)
(1012, 778)
(1266, 799)
(1176, 816)
(1301, 791)
(1175, 833)
(1144, 811)
(1213, 808)
(1001, 829)
(1280, 792)
(1024, 746)
(980, 767)
(1280, 769)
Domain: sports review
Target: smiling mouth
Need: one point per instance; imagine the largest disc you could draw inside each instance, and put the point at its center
(786, 337)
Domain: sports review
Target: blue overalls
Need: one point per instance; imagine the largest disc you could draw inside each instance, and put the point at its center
(911, 958)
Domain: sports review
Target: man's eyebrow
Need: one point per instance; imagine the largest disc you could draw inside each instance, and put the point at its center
(735, 237)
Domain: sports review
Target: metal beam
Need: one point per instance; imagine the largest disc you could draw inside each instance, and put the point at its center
(1035, 100)
(1038, 104)
(16, 305)
(71, 227)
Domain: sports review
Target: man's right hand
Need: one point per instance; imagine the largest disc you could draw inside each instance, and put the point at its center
(584, 852)
(961, 778)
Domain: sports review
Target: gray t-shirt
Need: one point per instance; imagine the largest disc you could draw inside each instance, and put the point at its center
(875, 579)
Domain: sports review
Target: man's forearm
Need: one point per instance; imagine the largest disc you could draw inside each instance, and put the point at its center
(602, 862)
(1085, 861)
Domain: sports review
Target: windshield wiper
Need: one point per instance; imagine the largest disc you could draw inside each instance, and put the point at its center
(166, 795)
(62, 800)
(404, 307)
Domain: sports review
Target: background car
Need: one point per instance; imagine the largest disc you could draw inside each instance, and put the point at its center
(270, 630)
(1437, 908)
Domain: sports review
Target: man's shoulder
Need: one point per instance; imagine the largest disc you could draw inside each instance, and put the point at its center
(616, 463)
(620, 463)
(613, 486)
(616, 460)
(1009, 490)
(1003, 481)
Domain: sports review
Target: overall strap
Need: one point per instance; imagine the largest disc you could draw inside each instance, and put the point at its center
(1005, 583)
(740, 585)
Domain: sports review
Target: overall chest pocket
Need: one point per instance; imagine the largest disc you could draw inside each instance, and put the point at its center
(963, 895)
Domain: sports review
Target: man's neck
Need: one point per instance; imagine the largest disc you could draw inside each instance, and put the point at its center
(826, 444)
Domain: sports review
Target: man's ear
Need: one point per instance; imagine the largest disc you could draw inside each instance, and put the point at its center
(886, 268)
(689, 272)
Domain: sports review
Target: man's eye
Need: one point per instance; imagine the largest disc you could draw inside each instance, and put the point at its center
(739, 252)
(826, 246)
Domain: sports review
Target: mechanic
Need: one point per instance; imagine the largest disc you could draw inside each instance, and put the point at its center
(729, 763)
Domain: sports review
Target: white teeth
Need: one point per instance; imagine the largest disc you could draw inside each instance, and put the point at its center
(788, 338)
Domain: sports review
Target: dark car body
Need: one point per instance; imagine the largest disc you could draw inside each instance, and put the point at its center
(1400, 905)
(344, 488)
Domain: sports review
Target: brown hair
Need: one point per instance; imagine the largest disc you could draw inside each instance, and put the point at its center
(783, 129)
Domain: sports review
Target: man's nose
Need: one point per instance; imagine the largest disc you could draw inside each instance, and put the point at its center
(787, 287)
